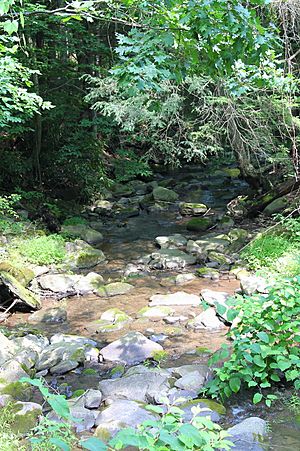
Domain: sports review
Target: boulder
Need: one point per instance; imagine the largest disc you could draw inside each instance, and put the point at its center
(84, 232)
(7, 348)
(89, 283)
(58, 283)
(149, 386)
(206, 320)
(52, 316)
(92, 399)
(83, 256)
(182, 279)
(170, 259)
(253, 284)
(213, 298)
(276, 206)
(191, 209)
(110, 321)
(26, 416)
(200, 224)
(208, 273)
(23, 275)
(179, 298)
(130, 349)
(171, 242)
(114, 289)
(220, 259)
(164, 194)
(248, 434)
(120, 414)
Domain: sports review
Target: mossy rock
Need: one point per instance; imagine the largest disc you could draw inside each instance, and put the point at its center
(209, 273)
(89, 258)
(26, 417)
(232, 172)
(19, 291)
(22, 275)
(114, 289)
(199, 224)
(219, 258)
(164, 194)
(192, 209)
(212, 405)
(276, 206)
(20, 391)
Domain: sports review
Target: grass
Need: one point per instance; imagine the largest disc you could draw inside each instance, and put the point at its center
(8, 439)
(276, 252)
(43, 250)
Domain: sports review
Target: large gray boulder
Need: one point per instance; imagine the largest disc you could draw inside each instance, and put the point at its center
(130, 349)
(206, 320)
(170, 259)
(248, 434)
(83, 256)
(149, 386)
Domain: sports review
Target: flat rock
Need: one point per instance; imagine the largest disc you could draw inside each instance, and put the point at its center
(154, 313)
(130, 349)
(92, 399)
(170, 259)
(253, 284)
(53, 316)
(213, 298)
(58, 283)
(191, 381)
(114, 289)
(179, 298)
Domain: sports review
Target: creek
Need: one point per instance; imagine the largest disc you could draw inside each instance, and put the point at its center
(126, 241)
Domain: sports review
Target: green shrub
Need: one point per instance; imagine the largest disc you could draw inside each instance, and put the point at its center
(43, 250)
(75, 220)
(9, 440)
(9, 227)
(128, 166)
(265, 349)
(8, 203)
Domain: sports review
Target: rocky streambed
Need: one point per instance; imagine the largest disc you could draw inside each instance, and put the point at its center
(122, 323)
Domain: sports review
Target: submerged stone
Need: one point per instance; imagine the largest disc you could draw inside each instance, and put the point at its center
(179, 298)
(114, 289)
(164, 194)
(199, 224)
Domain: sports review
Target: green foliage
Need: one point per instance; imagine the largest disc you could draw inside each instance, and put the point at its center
(265, 348)
(75, 220)
(43, 250)
(52, 436)
(7, 205)
(128, 166)
(276, 250)
(8, 439)
(11, 227)
(168, 432)
(293, 403)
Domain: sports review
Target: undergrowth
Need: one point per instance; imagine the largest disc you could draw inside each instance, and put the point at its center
(9, 440)
(43, 250)
(277, 250)
(265, 348)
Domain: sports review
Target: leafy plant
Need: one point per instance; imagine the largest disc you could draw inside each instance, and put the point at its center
(128, 165)
(265, 348)
(168, 432)
(9, 440)
(11, 227)
(75, 220)
(51, 435)
(7, 205)
(43, 250)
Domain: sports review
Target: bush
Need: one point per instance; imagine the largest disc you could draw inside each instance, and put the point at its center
(75, 220)
(43, 250)
(9, 227)
(266, 348)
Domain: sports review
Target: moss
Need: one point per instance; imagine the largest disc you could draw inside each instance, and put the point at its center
(232, 172)
(207, 272)
(88, 258)
(89, 372)
(78, 393)
(103, 434)
(199, 224)
(202, 350)
(78, 355)
(19, 291)
(26, 422)
(117, 371)
(18, 390)
(212, 405)
(22, 275)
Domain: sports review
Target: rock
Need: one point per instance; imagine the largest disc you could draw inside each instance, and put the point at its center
(191, 381)
(179, 298)
(175, 319)
(200, 224)
(84, 232)
(51, 316)
(208, 273)
(130, 349)
(26, 416)
(213, 298)
(97, 225)
(148, 386)
(187, 408)
(190, 209)
(23, 275)
(171, 242)
(213, 242)
(83, 419)
(114, 289)
(164, 194)
(59, 283)
(89, 283)
(226, 223)
(276, 206)
(111, 320)
(253, 284)
(170, 259)
(20, 292)
(248, 434)
(11, 371)
(7, 348)
(238, 234)
(64, 367)
(77, 340)
(119, 415)
(157, 313)
(32, 343)
(182, 279)
(221, 259)
(92, 399)
(206, 320)
(202, 369)
(82, 256)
